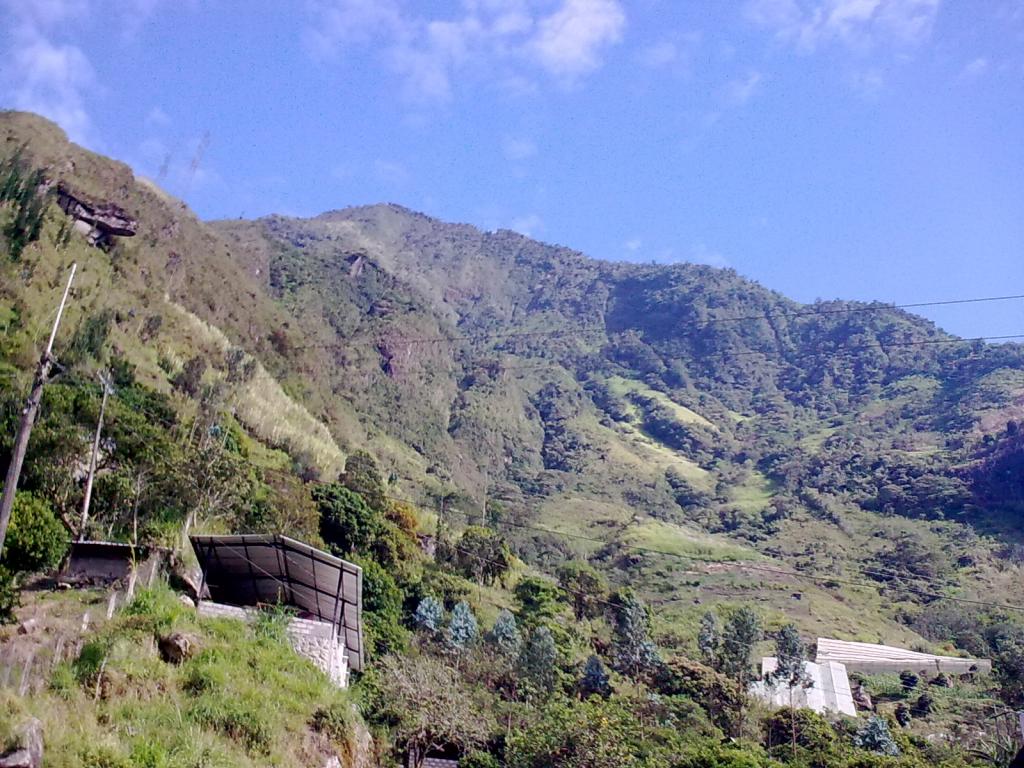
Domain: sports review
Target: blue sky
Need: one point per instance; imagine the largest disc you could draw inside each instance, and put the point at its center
(869, 149)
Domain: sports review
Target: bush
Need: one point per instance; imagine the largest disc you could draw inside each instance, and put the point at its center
(36, 539)
(813, 732)
(478, 759)
(10, 598)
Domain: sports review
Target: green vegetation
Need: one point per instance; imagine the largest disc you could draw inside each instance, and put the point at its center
(598, 455)
(242, 699)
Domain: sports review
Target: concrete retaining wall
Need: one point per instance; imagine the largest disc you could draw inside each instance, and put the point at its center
(314, 640)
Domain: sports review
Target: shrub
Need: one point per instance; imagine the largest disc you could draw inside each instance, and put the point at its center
(36, 539)
(813, 731)
(10, 598)
(875, 736)
(429, 614)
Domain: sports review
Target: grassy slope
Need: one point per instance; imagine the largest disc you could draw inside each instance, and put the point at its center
(461, 416)
(244, 698)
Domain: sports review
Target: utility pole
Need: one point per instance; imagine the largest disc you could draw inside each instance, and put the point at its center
(28, 420)
(105, 381)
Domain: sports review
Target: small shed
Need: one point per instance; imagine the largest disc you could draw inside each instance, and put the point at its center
(247, 571)
(105, 562)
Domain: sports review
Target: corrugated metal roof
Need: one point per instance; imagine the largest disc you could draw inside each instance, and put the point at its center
(251, 569)
(854, 654)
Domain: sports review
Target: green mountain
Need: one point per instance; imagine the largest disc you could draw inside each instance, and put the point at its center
(499, 379)
(694, 436)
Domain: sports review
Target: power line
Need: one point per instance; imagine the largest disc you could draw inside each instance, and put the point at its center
(818, 579)
(584, 330)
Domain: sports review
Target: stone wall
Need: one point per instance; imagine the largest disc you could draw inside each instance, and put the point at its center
(314, 640)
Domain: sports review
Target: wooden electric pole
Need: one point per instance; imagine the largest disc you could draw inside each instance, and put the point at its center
(28, 420)
(92, 459)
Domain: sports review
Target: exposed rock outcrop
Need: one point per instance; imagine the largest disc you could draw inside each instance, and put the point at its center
(29, 754)
(99, 222)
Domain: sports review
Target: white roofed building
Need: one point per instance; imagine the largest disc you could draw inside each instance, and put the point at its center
(873, 659)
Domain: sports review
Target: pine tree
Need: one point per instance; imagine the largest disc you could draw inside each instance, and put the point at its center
(429, 615)
(537, 661)
(595, 681)
(791, 659)
(709, 639)
(875, 736)
(741, 633)
(505, 636)
(790, 669)
(462, 627)
(635, 652)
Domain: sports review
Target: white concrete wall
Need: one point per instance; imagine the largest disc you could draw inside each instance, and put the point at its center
(829, 690)
(314, 640)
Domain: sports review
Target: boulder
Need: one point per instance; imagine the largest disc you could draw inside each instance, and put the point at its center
(176, 647)
(30, 752)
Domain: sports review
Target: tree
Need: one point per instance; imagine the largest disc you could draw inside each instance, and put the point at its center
(537, 598)
(362, 476)
(429, 705)
(585, 588)
(505, 636)
(36, 539)
(537, 661)
(742, 631)
(635, 652)
(347, 523)
(875, 736)
(382, 608)
(709, 639)
(595, 681)
(596, 733)
(482, 555)
(462, 628)
(791, 667)
(190, 379)
(1009, 670)
(429, 615)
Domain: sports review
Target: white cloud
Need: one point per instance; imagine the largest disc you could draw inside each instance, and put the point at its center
(518, 149)
(975, 68)
(633, 245)
(50, 75)
(739, 91)
(570, 41)
(530, 225)
(52, 80)
(42, 75)
(858, 24)
(503, 42)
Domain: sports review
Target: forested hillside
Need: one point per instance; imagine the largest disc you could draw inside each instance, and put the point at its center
(669, 436)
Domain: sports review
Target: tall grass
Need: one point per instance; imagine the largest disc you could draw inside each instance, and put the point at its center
(243, 699)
